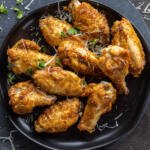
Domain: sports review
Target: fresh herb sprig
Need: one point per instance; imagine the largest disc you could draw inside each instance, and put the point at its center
(18, 12)
(3, 9)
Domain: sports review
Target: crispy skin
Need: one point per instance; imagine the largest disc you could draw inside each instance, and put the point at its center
(101, 97)
(52, 28)
(125, 36)
(114, 62)
(59, 117)
(58, 81)
(90, 21)
(76, 56)
(24, 97)
(25, 55)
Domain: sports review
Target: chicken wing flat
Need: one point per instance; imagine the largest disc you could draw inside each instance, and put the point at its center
(125, 36)
(58, 81)
(24, 97)
(90, 21)
(114, 63)
(53, 29)
(25, 56)
(101, 97)
(59, 117)
(74, 54)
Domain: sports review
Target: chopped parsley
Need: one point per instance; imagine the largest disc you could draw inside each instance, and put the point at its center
(10, 78)
(19, 2)
(44, 49)
(3, 9)
(29, 71)
(19, 12)
(58, 62)
(41, 64)
(63, 34)
(93, 42)
(72, 31)
(9, 66)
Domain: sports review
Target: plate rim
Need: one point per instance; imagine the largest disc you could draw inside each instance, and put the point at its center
(136, 120)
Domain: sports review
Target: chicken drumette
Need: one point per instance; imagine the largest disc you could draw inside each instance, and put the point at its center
(53, 29)
(59, 117)
(24, 56)
(24, 97)
(74, 54)
(58, 81)
(101, 97)
(91, 22)
(124, 35)
(114, 63)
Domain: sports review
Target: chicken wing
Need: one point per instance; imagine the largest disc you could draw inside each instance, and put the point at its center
(53, 29)
(25, 56)
(58, 81)
(101, 97)
(125, 36)
(59, 117)
(76, 56)
(91, 22)
(24, 97)
(114, 63)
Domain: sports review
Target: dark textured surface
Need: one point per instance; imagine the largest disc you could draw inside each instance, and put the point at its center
(138, 140)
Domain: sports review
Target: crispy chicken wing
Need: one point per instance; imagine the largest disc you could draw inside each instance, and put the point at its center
(25, 56)
(53, 29)
(125, 36)
(101, 97)
(90, 21)
(24, 97)
(58, 81)
(74, 54)
(59, 117)
(114, 63)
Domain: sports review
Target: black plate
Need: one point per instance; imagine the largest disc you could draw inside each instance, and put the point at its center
(128, 109)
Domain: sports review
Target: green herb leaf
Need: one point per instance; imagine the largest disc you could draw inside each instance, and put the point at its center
(93, 42)
(19, 2)
(41, 64)
(10, 78)
(63, 34)
(9, 66)
(44, 49)
(19, 12)
(3, 9)
(29, 71)
(58, 62)
(72, 31)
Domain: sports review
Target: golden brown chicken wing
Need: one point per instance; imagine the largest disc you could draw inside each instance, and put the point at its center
(114, 63)
(125, 36)
(74, 54)
(25, 57)
(53, 29)
(90, 21)
(24, 97)
(101, 97)
(58, 81)
(59, 117)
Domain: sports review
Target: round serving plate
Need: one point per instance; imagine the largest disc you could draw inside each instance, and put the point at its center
(112, 126)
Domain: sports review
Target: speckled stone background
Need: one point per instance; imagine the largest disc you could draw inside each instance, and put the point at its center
(12, 139)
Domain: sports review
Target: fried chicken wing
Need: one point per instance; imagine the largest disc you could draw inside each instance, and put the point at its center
(74, 54)
(125, 36)
(24, 97)
(90, 21)
(114, 63)
(25, 56)
(53, 29)
(59, 117)
(58, 81)
(101, 97)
